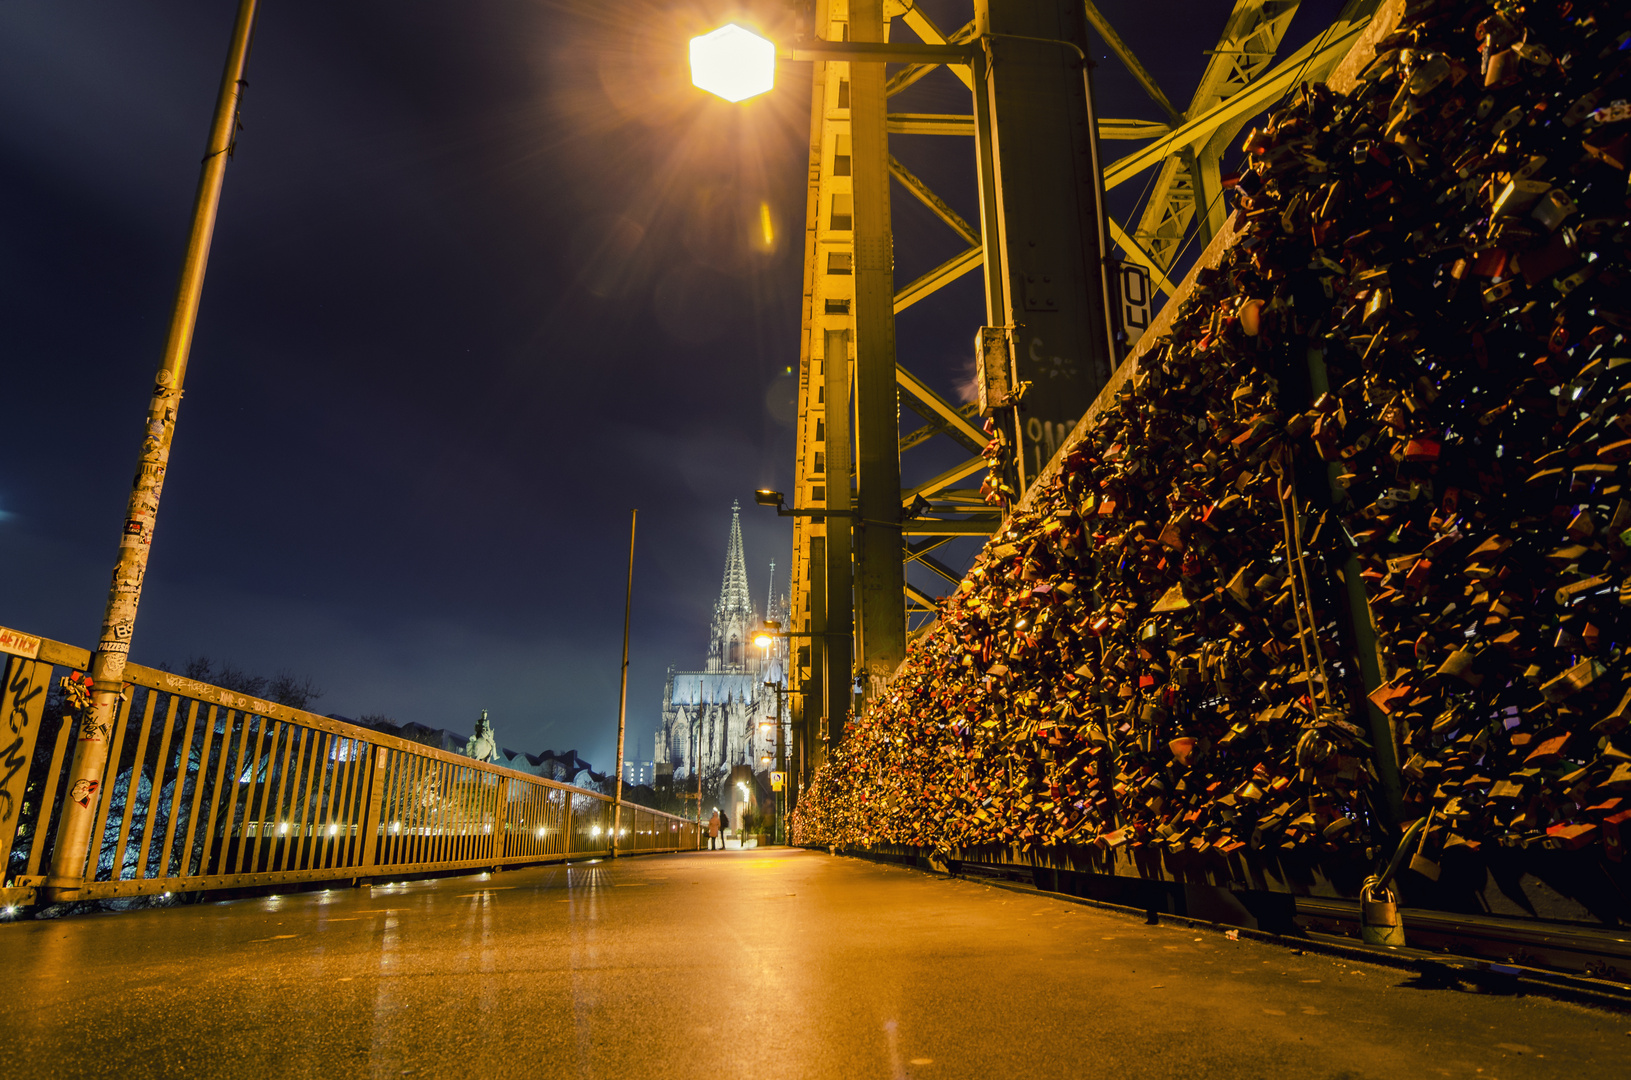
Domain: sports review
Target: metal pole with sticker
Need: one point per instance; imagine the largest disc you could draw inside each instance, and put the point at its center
(113, 649)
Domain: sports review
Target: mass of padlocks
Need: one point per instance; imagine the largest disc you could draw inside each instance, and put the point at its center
(1403, 401)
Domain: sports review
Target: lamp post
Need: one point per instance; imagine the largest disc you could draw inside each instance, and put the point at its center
(781, 755)
(623, 691)
(86, 773)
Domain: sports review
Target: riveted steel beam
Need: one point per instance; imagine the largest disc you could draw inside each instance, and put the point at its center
(940, 407)
(928, 488)
(931, 200)
(954, 124)
(971, 526)
(880, 615)
(1313, 61)
(1186, 185)
(912, 74)
(1136, 254)
(923, 600)
(941, 276)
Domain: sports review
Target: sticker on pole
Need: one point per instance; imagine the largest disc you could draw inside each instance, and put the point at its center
(778, 780)
(1136, 298)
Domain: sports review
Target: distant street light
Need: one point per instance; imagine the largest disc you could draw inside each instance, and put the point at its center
(733, 62)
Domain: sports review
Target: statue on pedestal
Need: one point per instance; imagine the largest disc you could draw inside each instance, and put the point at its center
(483, 745)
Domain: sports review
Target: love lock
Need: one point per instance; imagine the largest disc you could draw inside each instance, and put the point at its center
(1379, 922)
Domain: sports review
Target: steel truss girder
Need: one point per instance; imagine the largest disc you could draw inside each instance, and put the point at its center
(934, 202)
(924, 602)
(1312, 62)
(1250, 38)
(933, 427)
(957, 124)
(954, 124)
(937, 566)
(931, 405)
(938, 278)
(930, 34)
(952, 527)
(1239, 82)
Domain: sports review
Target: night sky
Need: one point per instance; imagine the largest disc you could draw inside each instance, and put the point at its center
(487, 274)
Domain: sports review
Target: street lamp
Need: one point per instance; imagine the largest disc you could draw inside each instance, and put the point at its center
(733, 62)
(766, 497)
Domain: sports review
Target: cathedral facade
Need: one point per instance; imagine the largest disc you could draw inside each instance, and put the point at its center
(711, 717)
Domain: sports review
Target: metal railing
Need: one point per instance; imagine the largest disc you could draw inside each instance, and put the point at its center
(206, 789)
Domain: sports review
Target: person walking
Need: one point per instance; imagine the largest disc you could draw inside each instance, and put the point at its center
(724, 829)
(713, 831)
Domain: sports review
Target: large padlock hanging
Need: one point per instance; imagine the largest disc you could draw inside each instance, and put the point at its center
(1379, 922)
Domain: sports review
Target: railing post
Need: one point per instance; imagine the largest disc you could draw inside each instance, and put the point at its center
(501, 818)
(376, 796)
(566, 829)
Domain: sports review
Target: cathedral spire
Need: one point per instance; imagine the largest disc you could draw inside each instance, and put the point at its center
(734, 598)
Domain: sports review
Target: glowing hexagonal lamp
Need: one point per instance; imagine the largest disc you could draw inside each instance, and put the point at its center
(732, 62)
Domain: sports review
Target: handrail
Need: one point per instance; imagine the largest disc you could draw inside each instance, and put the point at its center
(207, 788)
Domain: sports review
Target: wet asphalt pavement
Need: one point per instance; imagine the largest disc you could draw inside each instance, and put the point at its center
(768, 963)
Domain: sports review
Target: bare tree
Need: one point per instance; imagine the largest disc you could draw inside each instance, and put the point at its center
(297, 692)
(285, 688)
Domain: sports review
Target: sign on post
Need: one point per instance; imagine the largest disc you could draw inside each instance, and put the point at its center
(1136, 301)
(777, 780)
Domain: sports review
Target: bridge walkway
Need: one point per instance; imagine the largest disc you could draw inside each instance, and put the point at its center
(753, 963)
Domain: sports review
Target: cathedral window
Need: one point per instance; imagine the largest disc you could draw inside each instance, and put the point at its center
(734, 654)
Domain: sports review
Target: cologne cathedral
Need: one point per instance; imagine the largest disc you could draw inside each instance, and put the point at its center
(713, 715)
